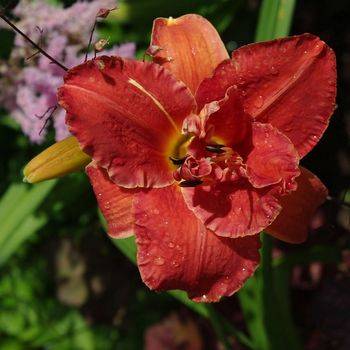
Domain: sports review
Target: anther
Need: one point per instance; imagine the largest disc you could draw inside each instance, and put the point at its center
(190, 183)
(177, 161)
(215, 148)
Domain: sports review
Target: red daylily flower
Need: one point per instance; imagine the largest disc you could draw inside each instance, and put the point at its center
(196, 153)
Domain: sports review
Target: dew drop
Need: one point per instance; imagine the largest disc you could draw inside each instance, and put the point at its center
(259, 101)
(283, 49)
(171, 245)
(204, 297)
(274, 70)
(175, 263)
(159, 261)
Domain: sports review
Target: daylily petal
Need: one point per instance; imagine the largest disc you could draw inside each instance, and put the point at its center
(231, 124)
(233, 209)
(116, 203)
(289, 83)
(293, 222)
(176, 251)
(126, 115)
(272, 160)
(215, 87)
(189, 46)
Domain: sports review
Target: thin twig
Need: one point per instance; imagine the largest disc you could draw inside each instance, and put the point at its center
(48, 118)
(41, 116)
(40, 30)
(90, 40)
(16, 29)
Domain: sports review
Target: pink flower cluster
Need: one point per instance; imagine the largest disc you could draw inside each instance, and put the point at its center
(28, 90)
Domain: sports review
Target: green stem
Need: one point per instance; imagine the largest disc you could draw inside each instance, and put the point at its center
(216, 322)
(267, 290)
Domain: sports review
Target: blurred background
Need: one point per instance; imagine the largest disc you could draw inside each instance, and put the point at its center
(63, 282)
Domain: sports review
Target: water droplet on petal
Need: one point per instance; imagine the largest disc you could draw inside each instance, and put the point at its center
(171, 245)
(175, 263)
(274, 70)
(259, 101)
(159, 261)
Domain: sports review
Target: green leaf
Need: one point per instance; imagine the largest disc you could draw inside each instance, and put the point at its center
(17, 208)
(275, 19)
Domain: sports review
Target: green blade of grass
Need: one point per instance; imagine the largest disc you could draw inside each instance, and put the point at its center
(26, 229)
(275, 19)
(17, 207)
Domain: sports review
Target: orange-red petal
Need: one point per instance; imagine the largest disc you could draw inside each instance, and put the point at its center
(114, 202)
(292, 223)
(176, 251)
(231, 124)
(273, 160)
(125, 115)
(233, 209)
(289, 83)
(189, 46)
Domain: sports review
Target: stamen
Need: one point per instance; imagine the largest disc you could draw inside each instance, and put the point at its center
(190, 183)
(215, 148)
(177, 161)
(17, 30)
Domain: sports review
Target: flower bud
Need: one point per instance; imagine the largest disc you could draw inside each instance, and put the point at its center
(60, 159)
